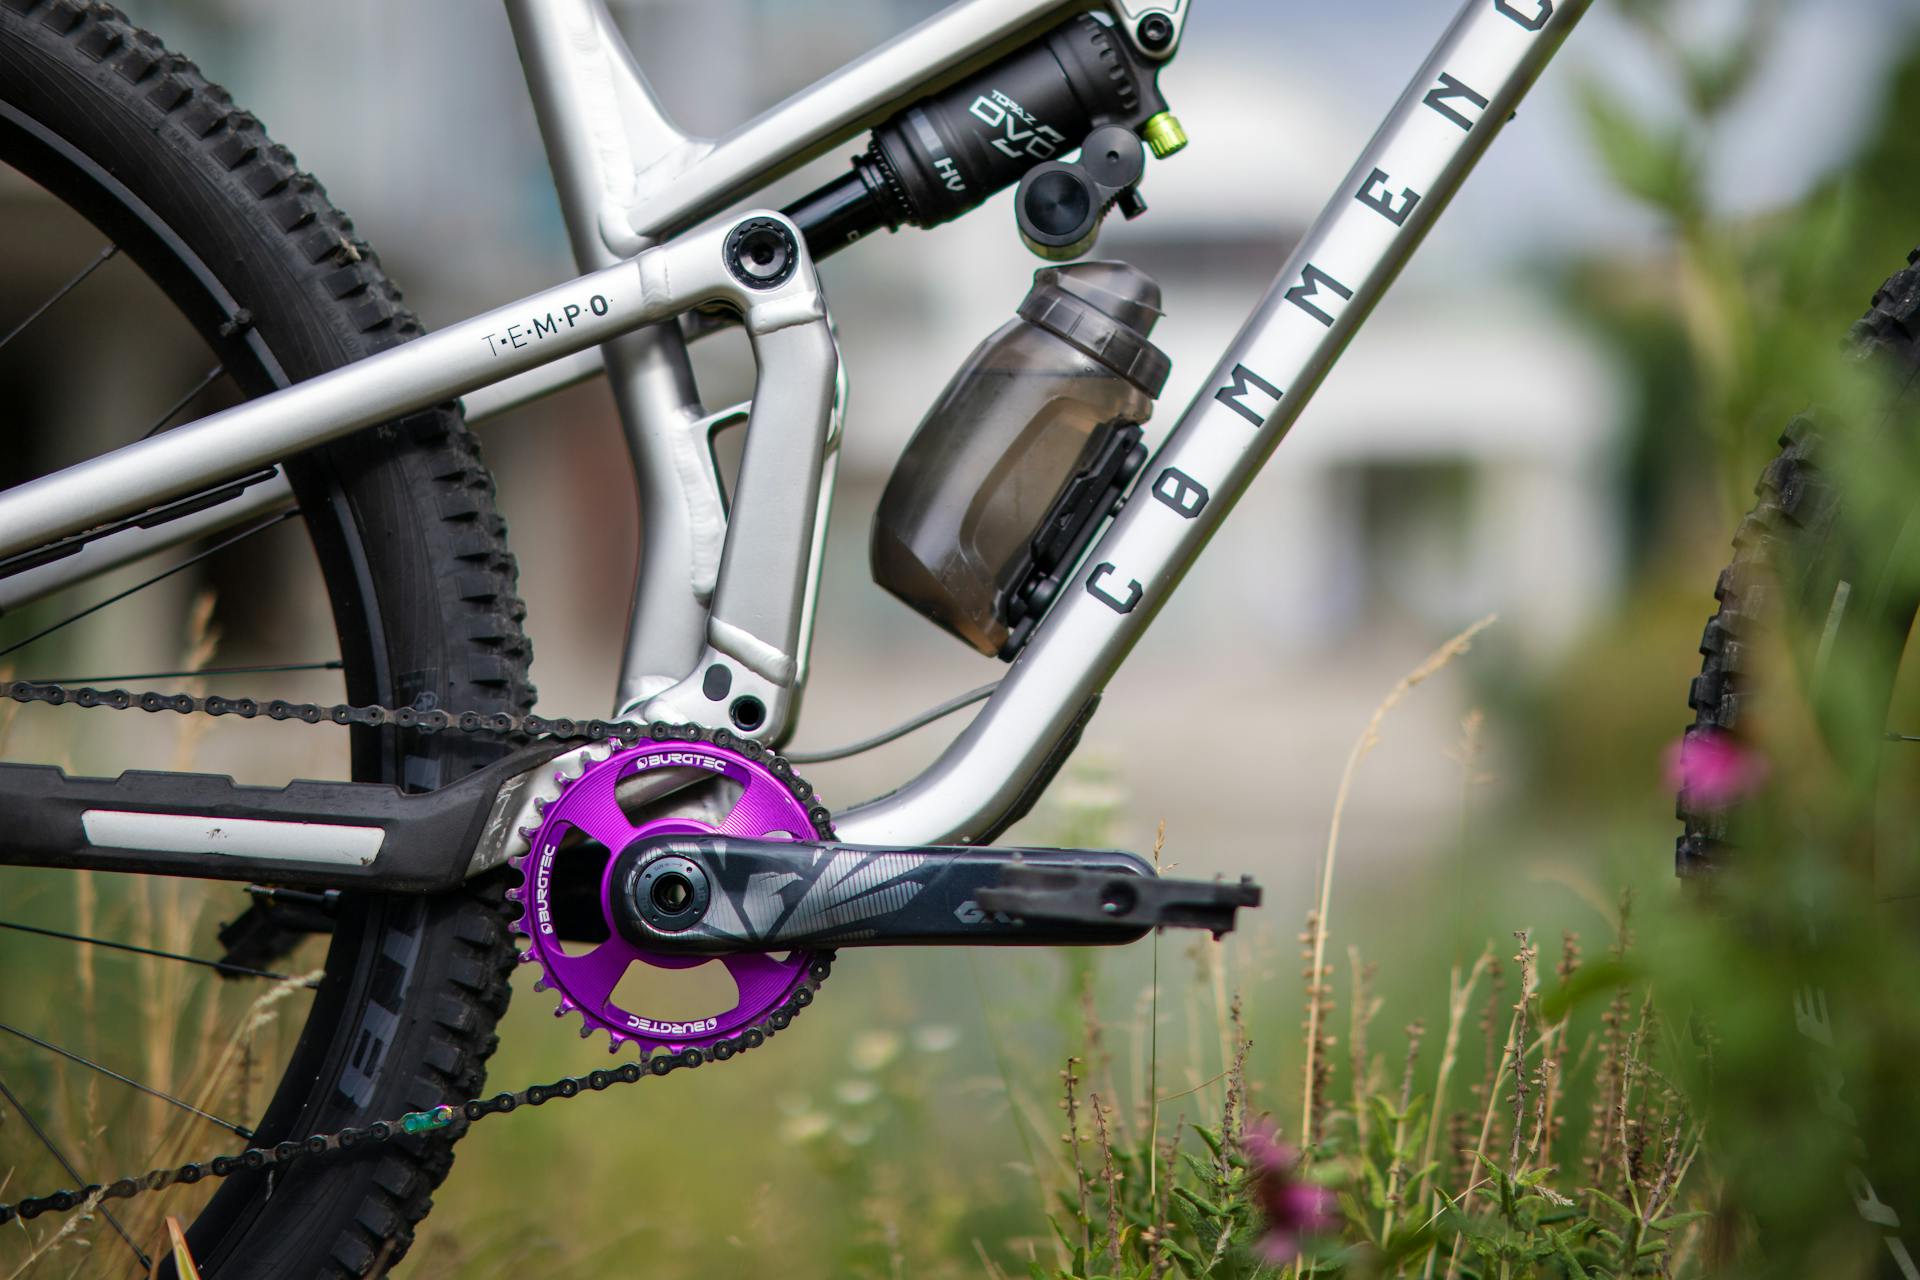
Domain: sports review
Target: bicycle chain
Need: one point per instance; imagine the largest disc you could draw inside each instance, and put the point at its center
(450, 1115)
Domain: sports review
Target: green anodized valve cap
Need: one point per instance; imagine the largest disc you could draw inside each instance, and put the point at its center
(1163, 135)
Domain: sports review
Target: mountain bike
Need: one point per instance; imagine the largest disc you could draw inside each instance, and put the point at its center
(1027, 517)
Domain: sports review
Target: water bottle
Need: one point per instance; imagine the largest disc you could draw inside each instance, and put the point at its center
(1023, 456)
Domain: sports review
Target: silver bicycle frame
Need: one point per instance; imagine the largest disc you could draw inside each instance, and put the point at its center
(736, 592)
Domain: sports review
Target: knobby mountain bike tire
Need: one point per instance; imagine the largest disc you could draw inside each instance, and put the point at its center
(1839, 591)
(414, 557)
(1805, 678)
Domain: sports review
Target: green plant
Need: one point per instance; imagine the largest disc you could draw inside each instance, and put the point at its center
(1508, 1192)
(1520, 1197)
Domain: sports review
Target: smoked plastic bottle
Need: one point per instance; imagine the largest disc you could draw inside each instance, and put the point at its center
(986, 472)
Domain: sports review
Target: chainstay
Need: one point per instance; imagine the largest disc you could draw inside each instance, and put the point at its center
(455, 1117)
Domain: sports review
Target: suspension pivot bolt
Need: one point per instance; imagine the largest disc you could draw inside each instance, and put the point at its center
(1155, 32)
(762, 253)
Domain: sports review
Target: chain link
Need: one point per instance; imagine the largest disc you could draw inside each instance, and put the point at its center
(456, 1118)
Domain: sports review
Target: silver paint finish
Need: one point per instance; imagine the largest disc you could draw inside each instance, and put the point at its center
(247, 437)
(1128, 14)
(603, 130)
(523, 388)
(682, 180)
(777, 679)
(128, 545)
(269, 496)
(599, 306)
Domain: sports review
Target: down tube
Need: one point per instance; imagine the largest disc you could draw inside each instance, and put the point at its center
(1441, 126)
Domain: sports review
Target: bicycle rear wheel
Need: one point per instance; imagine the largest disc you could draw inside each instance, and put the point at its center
(1817, 608)
(418, 578)
(1802, 820)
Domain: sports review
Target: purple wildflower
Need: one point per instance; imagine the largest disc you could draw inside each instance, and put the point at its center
(1291, 1208)
(1714, 769)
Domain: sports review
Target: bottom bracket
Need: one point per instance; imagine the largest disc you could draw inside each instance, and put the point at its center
(664, 894)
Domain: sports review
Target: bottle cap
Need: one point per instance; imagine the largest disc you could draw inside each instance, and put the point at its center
(1105, 309)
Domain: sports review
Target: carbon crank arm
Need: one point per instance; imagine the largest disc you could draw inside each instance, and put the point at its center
(1042, 891)
(715, 895)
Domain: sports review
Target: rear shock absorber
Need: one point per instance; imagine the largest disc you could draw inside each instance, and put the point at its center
(944, 155)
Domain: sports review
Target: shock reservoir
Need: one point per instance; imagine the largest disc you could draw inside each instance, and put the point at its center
(943, 156)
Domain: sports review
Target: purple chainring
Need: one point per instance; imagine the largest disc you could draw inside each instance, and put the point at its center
(586, 983)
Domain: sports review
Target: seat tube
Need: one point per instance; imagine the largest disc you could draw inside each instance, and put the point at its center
(681, 518)
(597, 140)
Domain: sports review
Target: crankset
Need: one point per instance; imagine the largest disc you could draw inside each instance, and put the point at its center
(671, 853)
(660, 846)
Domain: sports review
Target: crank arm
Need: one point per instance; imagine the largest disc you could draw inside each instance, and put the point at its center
(305, 835)
(1037, 891)
(716, 895)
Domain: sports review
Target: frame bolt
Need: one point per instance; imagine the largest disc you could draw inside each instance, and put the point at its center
(1155, 32)
(762, 254)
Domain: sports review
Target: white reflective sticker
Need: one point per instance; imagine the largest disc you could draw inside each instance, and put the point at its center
(236, 837)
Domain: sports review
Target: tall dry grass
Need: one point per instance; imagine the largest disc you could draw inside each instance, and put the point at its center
(213, 1042)
(1424, 1178)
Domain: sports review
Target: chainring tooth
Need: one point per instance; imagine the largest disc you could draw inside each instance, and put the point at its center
(597, 1012)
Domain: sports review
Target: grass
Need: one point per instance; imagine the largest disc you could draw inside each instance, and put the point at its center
(1400, 1179)
(214, 1043)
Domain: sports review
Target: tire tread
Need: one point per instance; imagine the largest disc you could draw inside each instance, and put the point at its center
(340, 281)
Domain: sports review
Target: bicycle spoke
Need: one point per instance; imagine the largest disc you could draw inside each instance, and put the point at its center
(46, 1140)
(188, 563)
(129, 1081)
(234, 970)
(99, 261)
(333, 665)
(185, 400)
